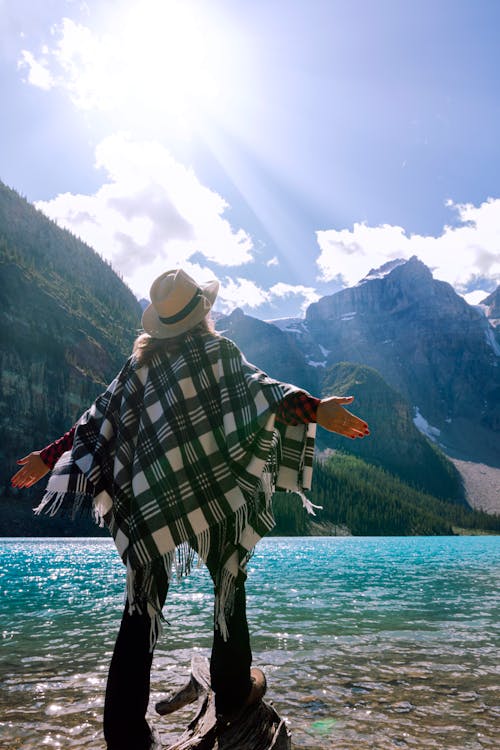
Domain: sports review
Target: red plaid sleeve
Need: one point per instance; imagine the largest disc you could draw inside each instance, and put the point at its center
(52, 452)
(298, 408)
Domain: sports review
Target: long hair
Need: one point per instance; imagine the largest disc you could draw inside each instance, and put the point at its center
(145, 346)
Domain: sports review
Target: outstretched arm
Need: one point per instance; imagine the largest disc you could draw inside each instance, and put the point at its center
(38, 463)
(301, 408)
(333, 416)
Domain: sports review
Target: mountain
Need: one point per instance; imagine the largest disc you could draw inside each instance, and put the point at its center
(67, 323)
(492, 304)
(269, 348)
(427, 343)
(414, 354)
(490, 307)
(395, 443)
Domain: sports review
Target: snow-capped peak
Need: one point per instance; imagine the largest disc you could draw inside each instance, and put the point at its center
(384, 270)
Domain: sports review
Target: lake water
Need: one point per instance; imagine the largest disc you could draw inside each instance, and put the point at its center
(368, 643)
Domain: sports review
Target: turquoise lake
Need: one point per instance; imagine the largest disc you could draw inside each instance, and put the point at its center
(368, 643)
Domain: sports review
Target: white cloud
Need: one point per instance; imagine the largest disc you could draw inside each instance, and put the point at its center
(281, 290)
(153, 56)
(273, 261)
(244, 293)
(77, 61)
(240, 292)
(38, 73)
(460, 254)
(152, 213)
(476, 297)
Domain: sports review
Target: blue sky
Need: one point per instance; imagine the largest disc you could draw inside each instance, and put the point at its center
(286, 147)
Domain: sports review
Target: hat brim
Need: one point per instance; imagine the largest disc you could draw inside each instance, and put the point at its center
(158, 330)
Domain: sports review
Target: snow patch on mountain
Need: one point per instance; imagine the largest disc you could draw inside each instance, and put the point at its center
(489, 330)
(424, 427)
(383, 271)
(289, 325)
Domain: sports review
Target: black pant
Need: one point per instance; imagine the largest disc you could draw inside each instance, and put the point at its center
(127, 689)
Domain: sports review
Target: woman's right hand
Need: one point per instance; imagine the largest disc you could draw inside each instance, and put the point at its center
(33, 469)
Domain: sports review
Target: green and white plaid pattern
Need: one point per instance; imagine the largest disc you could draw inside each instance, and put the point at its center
(181, 445)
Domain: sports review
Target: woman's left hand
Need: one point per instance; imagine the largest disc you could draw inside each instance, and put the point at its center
(333, 416)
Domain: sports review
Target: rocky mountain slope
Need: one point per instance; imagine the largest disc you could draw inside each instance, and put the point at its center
(270, 348)
(492, 305)
(437, 351)
(67, 323)
(395, 443)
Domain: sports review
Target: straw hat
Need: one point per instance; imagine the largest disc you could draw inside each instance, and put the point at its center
(178, 303)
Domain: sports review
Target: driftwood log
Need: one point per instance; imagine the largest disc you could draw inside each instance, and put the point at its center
(258, 727)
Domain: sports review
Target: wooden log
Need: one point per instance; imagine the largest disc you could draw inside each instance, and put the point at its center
(198, 685)
(258, 727)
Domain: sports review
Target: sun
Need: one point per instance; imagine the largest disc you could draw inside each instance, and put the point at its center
(160, 59)
(169, 58)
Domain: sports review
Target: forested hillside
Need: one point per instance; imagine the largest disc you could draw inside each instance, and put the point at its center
(67, 323)
(69, 272)
(367, 501)
(395, 443)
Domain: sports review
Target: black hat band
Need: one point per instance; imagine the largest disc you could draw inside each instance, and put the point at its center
(185, 310)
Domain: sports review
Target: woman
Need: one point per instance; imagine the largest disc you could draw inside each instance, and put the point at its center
(181, 455)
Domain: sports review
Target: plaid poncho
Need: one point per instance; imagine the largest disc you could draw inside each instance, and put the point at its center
(175, 448)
